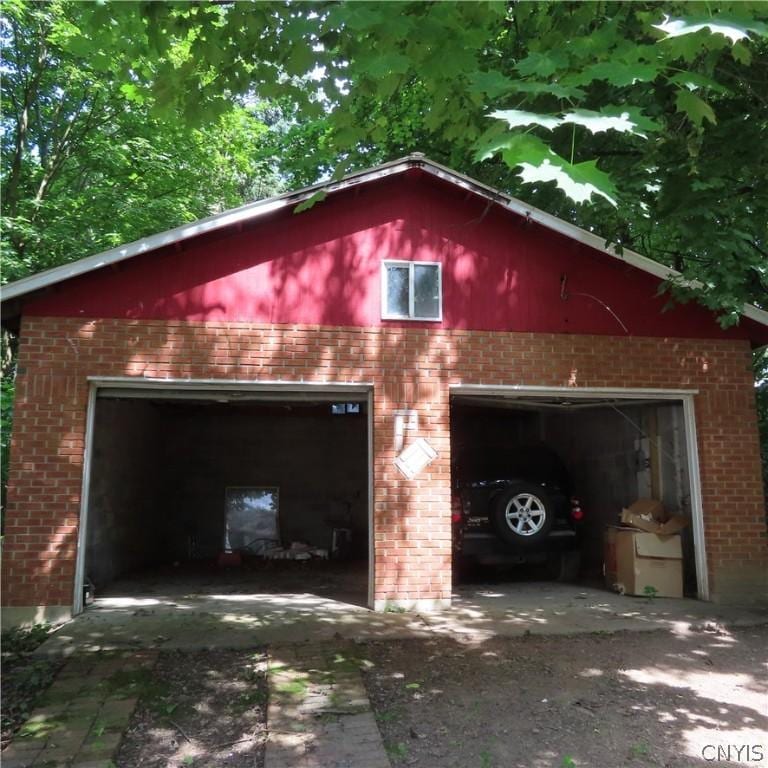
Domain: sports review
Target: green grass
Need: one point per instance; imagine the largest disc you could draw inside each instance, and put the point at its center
(389, 715)
(292, 687)
(397, 751)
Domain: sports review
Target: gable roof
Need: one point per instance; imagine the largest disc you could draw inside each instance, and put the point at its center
(245, 213)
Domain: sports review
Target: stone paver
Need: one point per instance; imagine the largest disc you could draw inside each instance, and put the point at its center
(319, 713)
(82, 717)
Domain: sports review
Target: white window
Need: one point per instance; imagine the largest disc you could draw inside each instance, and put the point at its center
(411, 290)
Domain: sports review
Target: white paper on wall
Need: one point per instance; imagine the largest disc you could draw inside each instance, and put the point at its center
(415, 458)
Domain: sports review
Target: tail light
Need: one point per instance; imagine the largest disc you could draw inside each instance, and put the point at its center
(577, 513)
(456, 516)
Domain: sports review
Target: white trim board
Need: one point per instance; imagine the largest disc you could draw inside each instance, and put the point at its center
(121, 386)
(252, 211)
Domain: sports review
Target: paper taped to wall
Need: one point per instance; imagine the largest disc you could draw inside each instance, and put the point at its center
(415, 458)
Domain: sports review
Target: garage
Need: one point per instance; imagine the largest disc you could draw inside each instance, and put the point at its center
(341, 375)
(558, 467)
(236, 490)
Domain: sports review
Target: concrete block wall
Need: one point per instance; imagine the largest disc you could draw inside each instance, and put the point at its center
(410, 368)
(318, 462)
(608, 456)
(125, 487)
(160, 470)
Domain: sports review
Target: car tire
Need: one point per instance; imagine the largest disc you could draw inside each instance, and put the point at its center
(522, 514)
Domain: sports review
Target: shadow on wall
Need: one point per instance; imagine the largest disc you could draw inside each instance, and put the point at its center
(344, 279)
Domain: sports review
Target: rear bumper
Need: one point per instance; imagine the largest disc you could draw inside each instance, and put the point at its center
(488, 548)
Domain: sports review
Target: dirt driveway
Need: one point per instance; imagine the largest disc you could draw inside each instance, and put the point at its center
(627, 699)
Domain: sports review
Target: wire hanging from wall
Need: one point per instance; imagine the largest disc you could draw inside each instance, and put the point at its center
(565, 295)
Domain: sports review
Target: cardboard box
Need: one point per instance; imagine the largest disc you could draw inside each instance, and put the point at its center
(650, 509)
(640, 563)
(673, 525)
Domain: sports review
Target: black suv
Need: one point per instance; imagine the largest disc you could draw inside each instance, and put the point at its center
(521, 512)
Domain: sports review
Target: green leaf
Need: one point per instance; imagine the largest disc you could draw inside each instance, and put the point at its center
(300, 61)
(616, 73)
(742, 54)
(317, 197)
(558, 90)
(579, 182)
(132, 93)
(382, 65)
(627, 120)
(525, 148)
(517, 117)
(694, 80)
(697, 110)
(611, 118)
(735, 29)
(358, 16)
(540, 164)
(542, 64)
(490, 83)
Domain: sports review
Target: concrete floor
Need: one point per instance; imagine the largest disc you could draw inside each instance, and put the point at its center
(343, 581)
(195, 615)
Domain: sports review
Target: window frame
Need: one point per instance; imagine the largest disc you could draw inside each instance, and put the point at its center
(411, 316)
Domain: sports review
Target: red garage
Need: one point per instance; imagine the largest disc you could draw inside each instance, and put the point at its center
(264, 385)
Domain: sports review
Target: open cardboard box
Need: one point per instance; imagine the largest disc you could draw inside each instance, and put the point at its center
(650, 516)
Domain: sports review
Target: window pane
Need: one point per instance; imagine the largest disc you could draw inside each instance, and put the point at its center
(397, 291)
(426, 290)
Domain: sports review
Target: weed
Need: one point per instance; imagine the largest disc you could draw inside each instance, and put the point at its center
(398, 751)
(40, 728)
(393, 608)
(389, 715)
(639, 750)
(24, 639)
(249, 699)
(412, 686)
(486, 761)
(650, 592)
(292, 687)
(568, 762)
(24, 677)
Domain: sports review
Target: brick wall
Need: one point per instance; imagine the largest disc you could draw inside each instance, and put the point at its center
(410, 368)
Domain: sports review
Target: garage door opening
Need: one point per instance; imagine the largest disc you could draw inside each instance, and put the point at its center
(229, 493)
(537, 479)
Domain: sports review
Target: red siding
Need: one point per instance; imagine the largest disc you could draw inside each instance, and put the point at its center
(501, 273)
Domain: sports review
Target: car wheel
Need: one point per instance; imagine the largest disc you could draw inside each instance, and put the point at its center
(522, 514)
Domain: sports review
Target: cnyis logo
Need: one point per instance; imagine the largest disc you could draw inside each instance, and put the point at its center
(733, 753)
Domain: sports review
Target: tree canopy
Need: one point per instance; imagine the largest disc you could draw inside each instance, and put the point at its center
(647, 123)
(85, 169)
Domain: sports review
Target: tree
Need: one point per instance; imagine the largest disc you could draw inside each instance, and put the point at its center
(85, 169)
